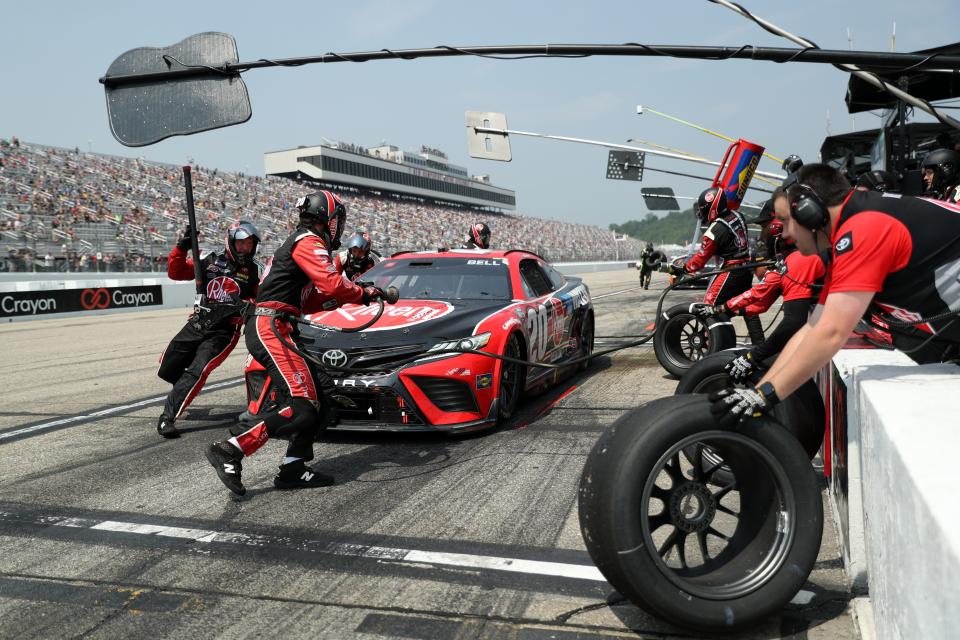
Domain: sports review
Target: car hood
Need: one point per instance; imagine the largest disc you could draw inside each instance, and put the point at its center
(407, 322)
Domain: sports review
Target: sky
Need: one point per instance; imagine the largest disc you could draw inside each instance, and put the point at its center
(52, 54)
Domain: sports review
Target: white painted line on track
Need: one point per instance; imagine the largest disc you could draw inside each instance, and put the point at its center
(615, 293)
(106, 412)
(465, 560)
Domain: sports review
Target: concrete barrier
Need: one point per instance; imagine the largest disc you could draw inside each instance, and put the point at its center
(35, 296)
(893, 488)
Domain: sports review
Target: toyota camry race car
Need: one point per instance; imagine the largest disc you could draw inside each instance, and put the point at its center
(510, 303)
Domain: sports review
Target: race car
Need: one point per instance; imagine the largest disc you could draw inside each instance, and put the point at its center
(511, 303)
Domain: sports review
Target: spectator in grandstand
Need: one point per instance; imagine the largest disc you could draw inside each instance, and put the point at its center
(303, 259)
(478, 237)
(894, 258)
(211, 333)
(941, 175)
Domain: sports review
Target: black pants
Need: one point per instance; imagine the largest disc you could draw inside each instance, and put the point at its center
(189, 359)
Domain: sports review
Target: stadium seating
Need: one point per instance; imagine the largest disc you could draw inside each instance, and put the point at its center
(95, 212)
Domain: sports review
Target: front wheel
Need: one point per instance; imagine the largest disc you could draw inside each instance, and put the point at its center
(704, 556)
(512, 378)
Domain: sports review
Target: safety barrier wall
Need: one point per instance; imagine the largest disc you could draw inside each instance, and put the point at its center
(31, 296)
(893, 488)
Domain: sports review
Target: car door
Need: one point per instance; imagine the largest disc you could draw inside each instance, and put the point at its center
(544, 319)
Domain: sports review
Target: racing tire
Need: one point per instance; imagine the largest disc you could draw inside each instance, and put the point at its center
(512, 379)
(586, 342)
(707, 558)
(682, 338)
(707, 374)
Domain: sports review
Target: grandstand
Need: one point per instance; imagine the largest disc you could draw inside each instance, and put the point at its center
(426, 175)
(64, 209)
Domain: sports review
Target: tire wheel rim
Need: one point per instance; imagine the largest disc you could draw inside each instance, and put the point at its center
(718, 542)
(586, 339)
(510, 377)
(686, 339)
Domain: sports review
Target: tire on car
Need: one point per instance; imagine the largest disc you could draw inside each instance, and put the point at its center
(704, 557)
(512, 378)
(682, 338)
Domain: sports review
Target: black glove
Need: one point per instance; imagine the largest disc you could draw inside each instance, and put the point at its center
(674, 270)
(371, 293)
(741, 368)
(184, 243)
(730, 406)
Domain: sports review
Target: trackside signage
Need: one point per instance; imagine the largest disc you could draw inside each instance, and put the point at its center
(35, 303)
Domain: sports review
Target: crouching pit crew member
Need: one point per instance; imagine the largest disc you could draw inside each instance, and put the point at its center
(725, 238)
(895, 257)
(796, 277)
(213, 330)
(302, 269)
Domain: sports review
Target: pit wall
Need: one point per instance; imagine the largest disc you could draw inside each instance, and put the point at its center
(893, 486)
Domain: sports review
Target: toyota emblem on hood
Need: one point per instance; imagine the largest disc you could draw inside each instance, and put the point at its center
(334, 358)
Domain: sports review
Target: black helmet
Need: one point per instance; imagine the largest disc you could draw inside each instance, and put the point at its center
(480, 235)
(946, 165)
(711, 204)
(241, 231)
(649, 246)
(792, 163)
(327, 208)
(766, 213)
(359, 240)
(877, 181)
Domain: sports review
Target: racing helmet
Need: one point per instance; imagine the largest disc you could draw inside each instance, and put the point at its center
(772, 237)
(241, 231)
(480, 235)
(946, 165)
(877, 181)
(359, 240)
(649, 246)
(711, 204)
(792, 163)
(326, 208)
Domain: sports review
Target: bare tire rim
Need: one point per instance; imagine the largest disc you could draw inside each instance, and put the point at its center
(713, 541)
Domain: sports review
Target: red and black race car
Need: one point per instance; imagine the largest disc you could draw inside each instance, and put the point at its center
(505, 302)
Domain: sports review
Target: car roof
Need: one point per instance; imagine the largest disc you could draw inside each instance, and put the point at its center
(465, 253)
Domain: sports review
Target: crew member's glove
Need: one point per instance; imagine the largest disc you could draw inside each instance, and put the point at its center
(730, 406)
(371, 293)
(703, 310)
(184, 243)
(741, 367)
(674, 270)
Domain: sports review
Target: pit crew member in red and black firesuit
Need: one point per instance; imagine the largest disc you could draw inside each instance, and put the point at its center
(941, 175)
(302, 268)
(357, 259)
(796, 277)
(213, 330)
(726, 238)
(891, 255)
(478, 238)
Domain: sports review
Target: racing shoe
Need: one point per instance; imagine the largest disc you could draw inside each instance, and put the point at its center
(167, 428)
(226, 460)
(297, 475)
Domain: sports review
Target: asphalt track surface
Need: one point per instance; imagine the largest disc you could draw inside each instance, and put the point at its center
(108, 531)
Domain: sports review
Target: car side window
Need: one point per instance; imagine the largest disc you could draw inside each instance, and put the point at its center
(535, 281)
(556, 278)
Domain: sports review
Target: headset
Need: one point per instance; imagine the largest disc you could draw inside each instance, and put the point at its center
(807, 208)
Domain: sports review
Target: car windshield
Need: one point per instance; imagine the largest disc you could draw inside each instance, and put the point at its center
(444, 278)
